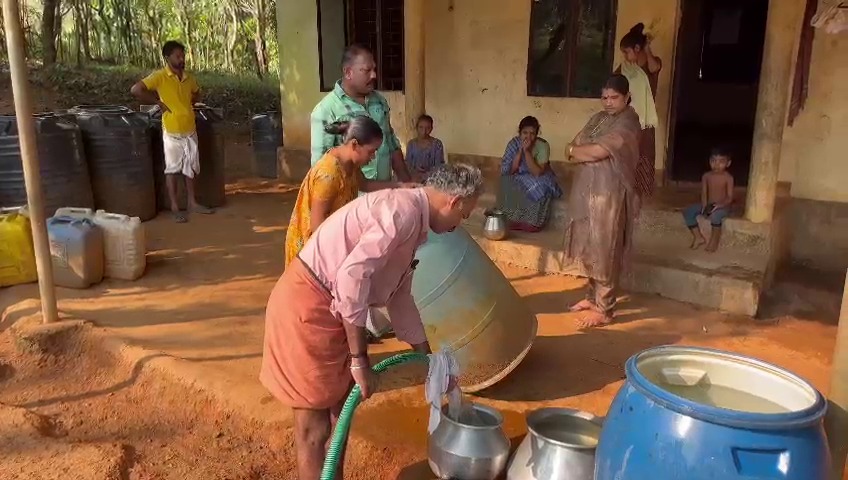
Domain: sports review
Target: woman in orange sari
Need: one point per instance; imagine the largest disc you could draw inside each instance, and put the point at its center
(335, 180)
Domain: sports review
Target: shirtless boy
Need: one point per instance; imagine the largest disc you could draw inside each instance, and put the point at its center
(716, 197)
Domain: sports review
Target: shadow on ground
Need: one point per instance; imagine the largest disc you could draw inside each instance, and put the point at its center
(594, 359)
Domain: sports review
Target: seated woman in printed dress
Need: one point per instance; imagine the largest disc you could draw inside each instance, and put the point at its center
(528, 185)
(424, 153)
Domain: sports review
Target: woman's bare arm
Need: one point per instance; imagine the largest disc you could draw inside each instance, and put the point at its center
(534, 167)
(516, 161)
(588, 153)
(319, 210)
(654, 62)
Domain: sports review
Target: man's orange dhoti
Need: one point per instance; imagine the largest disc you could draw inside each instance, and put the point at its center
(306, 362)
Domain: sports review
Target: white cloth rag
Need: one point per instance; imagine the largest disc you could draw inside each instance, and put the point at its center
(443, 365)
(377, 322)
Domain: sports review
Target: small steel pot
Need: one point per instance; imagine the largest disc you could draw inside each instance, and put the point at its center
(460, 450)
(494, 227)
(560, 445)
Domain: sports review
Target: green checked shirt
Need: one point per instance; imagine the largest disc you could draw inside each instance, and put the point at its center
(337, 106)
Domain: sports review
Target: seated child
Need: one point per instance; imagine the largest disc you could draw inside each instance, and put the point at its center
(716, 197)
(425, 152)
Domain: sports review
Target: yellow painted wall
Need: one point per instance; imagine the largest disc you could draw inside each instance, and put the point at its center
(476, 63)
(297, 34)
(815, 149)
(475, 87)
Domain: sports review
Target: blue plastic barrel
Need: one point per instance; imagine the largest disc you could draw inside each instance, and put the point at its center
(697, 414)
(468, 304)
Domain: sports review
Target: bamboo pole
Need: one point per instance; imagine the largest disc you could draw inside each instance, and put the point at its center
(836, 421)
(29, 157)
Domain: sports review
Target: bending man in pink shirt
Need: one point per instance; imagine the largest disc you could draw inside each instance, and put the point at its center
(361, 256)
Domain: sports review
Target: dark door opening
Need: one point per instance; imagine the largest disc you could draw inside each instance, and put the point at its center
(716, 79)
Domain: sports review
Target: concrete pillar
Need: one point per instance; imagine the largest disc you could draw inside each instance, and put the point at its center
(836, 421)
(782, 27)
(414, 27)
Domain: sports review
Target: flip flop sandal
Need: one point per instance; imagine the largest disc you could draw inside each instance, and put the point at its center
(202, 210)
(179, 217)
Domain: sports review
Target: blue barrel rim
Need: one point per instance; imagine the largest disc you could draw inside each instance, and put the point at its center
(724, 416)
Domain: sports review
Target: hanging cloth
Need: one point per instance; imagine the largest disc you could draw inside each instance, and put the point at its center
(641, 95)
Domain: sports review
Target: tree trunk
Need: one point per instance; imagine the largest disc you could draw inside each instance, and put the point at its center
(105, 45)
(232, 40)
(78, 26)
(48, 32)
(86, 29)
(259, 39)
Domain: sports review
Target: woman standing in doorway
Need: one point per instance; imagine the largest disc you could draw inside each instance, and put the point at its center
(642, 69)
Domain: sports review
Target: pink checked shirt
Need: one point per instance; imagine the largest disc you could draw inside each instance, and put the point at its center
(363, 254)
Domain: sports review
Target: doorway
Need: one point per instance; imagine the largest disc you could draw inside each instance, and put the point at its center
(716, 81)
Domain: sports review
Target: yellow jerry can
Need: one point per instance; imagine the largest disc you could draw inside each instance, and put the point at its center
(17, 257)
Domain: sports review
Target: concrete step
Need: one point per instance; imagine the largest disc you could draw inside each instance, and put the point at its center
(727, 280)
(664, 225)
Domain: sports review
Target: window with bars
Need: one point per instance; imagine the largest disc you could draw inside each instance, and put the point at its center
(572, 43)
(377, 24)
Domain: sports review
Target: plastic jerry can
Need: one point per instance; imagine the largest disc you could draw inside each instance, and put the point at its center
(124, 241)
(76, 248)
(17, 256)
(74, 212)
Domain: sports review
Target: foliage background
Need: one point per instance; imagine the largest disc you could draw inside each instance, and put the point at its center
(92, 51)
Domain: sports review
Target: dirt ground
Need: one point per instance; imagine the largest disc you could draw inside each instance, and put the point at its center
(183, 401)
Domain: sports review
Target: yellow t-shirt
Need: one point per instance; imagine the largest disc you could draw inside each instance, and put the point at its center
(326, 180)
(176, 93)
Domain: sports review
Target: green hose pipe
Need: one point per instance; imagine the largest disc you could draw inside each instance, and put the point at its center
(339, 439)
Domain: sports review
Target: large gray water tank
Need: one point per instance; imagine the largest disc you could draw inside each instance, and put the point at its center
(64, 174)
(117, 147)
(266, 132)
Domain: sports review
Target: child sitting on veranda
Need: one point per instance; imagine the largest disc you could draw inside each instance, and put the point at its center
(716, 197)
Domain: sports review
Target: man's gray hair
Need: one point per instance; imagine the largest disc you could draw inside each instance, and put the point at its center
(457, 179)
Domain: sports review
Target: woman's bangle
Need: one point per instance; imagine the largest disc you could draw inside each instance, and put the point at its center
(571, 150)
(359, 367)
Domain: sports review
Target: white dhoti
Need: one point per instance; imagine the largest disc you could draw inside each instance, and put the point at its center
(181, 154)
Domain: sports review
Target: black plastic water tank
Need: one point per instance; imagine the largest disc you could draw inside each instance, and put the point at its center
(266, 132)
(64, 173)
(210, 184)
(117, 146)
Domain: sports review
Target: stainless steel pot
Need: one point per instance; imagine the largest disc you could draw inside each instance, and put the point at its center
(473, 448)
(494, 227)
(560, 445)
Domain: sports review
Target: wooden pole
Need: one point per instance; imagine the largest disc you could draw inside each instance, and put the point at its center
(836, 421)
(29, 157)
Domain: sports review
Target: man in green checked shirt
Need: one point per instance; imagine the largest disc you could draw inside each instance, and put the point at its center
(354, 95)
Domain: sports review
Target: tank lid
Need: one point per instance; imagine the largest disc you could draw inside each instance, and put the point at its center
(45, 122)
(725, 388)
(100, 109)
(271, 113)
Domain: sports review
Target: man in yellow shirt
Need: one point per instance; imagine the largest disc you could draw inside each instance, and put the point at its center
(176, 91)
